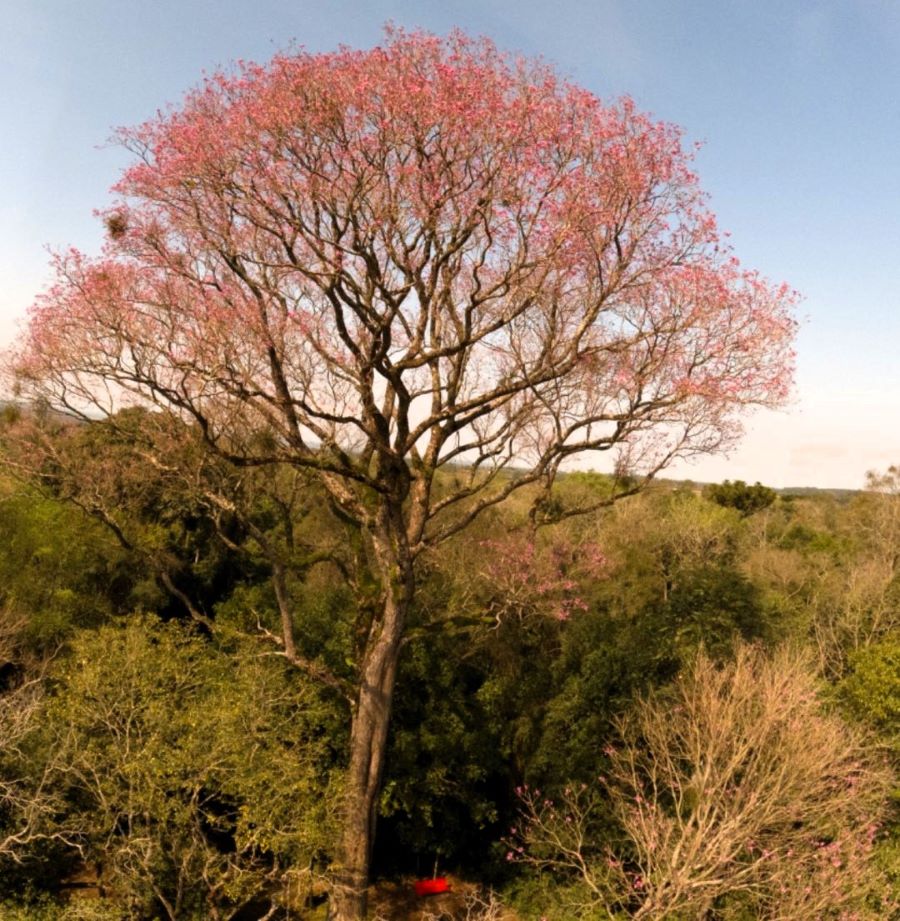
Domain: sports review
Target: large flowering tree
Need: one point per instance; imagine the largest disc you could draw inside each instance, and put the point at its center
(390, 261)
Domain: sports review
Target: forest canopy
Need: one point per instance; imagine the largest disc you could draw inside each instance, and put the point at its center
(163, 753)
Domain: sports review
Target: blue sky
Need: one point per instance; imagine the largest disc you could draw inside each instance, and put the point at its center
(797, 103)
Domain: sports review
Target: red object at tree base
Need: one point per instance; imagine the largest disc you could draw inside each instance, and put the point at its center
(432, 886)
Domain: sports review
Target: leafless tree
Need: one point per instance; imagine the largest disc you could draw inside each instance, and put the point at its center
(735, 787)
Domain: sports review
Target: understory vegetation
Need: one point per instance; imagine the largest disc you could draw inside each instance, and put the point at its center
(685, 705)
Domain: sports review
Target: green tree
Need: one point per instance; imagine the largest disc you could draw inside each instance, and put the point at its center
(738, 495)
(870, 693)
(202, 778)
(58, 570)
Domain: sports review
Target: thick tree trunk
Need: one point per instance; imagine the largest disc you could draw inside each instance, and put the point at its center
(368, 736)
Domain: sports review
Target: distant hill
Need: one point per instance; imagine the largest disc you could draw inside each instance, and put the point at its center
(842, 495)
(787, 492)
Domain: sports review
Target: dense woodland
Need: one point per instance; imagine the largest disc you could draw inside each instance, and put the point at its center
(684, 705)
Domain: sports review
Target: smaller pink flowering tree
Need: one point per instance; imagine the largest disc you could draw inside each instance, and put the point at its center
(524, 575)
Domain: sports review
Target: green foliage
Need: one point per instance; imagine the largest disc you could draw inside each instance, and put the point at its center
(545, 897)
(444, 763)
(52, 910)
(871, 691)
(58, 569)
(738, 495)
(871, 694)
(195, 774)
(802, 537)
(709, 606)
(323, 615)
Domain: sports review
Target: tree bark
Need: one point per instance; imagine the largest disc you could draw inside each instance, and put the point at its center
(369, 727)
